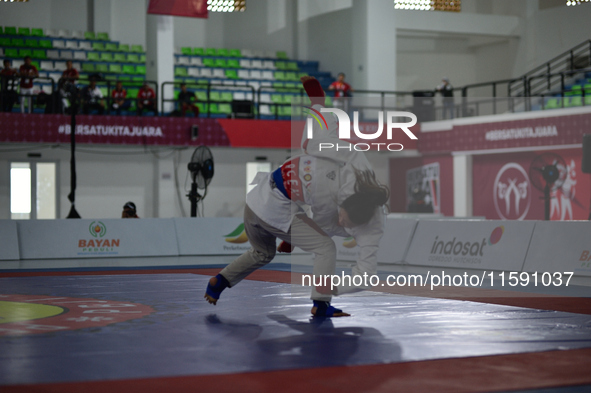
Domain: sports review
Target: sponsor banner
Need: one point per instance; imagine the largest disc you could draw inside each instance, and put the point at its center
(493, 245)
(560, 247)
(393, 246)
(504, 189)
(8, 234)
(211, 236)
(542, 131)
(86, 238)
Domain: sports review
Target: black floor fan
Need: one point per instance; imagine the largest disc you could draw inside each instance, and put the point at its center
(201, 168)
(547, 173)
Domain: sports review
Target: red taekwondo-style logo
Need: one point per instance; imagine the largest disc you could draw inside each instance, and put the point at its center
(32, 314)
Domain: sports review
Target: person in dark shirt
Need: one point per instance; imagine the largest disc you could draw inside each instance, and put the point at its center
(27, 72)
(447, 91)
(186, 99)
(8, 83)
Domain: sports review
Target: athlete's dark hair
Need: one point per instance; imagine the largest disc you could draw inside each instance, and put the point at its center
(369, 194)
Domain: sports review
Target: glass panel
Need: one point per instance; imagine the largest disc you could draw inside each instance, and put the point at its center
(46, 190)
(20, 190)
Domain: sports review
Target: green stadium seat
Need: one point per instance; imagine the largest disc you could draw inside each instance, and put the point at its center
(39, 54)
(123, 48)
(98, 46)
(226, 96)
(25, 52)
(211, 52)
(24, 31)
(574, 101)
(133, 58)
(106, 57)
(202, 107)
(235, 53)
(278, 85)
(292, 66)
(587, 88)
(281, 55)
(89, 35)
(1, 30)
(180, 71)
(104, 91)
(276, 98)
(88, 67)
(124, 78)
(279, 75)
(552, 103)
(102, 36)
(115, 68)
(4, 42)
(207, 62)
(137, 48)
(291, 76)
(201, 95)
(285, 110)
(37, 33)
(104, 68)
(142, 58)
(120, 58)
(225, 109)
(10, 30)
(231, 74)
(132, 93)
(140, 70)
(233, 63)
(36, 64)
(221, 63)
(215, 96)
(17, 42)
(31, 43)
(93, 56)
(280, 65)
(223, 52)
(187, 51)
(9, 52)
(45, 44)
(198, 51)
(327, 101)
(111, 77)
(111, 47)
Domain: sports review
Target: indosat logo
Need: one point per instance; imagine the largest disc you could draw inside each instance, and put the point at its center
(345, 129)
(98, 245)
(460, 251)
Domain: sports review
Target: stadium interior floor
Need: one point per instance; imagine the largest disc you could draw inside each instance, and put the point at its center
(141, 325)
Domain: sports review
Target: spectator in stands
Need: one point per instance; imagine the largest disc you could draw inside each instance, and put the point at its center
(447, 91)
(129, 211)
(27, 72)
(342, 90)
(8, 87)
(92, 98)
(186, 99)
(119, 98)
(70, 74)
(146, 99)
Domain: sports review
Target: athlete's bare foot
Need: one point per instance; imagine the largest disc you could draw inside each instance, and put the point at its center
(335, 315)
(212, 281)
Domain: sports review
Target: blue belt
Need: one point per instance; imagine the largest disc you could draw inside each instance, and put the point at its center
(278, 179)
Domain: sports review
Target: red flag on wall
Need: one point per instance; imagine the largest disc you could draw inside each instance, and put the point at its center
(189, 8)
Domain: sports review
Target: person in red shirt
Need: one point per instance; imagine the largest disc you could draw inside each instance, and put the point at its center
(118, 99)
(342, 90)
(146, 99)
(8, 87)
(70, 74)
(27, 72)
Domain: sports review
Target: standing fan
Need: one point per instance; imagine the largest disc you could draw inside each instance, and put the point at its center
(201, 168)
(547, 172)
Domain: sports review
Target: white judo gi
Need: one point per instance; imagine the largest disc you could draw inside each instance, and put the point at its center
(318, 180)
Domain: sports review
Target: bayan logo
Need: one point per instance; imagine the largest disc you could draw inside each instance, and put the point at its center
(98, 230)
(237, 236)
(345, 129)
(465, 248)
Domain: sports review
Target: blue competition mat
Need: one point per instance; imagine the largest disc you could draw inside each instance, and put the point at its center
(103, 327)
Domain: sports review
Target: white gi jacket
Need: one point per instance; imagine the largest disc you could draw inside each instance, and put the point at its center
(326, 179)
